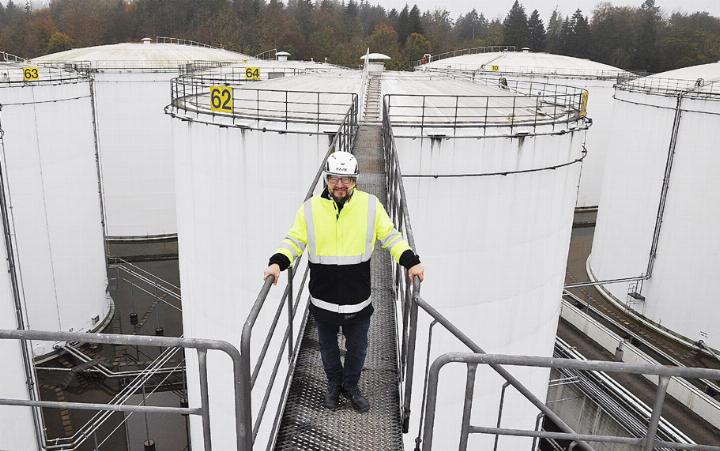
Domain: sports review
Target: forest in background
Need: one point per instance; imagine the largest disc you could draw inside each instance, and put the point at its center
(641, 38)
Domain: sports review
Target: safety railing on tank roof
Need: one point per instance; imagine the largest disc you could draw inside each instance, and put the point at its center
(266, 55)
(265, 109)
(532, 72)
(40, 74)
(200, 345)
(10, 58)
(468, 51)
(179, 41)
(527, 104)
(699, 88)
(291, 298)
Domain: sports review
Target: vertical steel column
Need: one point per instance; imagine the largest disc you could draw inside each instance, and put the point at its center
(204, 399)
(467, 407)
(656, 412)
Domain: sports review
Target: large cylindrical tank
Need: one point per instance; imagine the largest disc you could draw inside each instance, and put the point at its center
(17, 429)
(131, 90)
(240, 179)
(491, 176)
(662, 198)
(597, 78)
(51, 177)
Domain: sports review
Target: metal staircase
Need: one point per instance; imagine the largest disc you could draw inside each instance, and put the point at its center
(305, 423)
(373, 102)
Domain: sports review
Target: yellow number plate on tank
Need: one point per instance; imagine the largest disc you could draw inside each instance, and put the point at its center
(584, 102)
(31, 73)
(221, 99)
(495, 68)
(252, 73)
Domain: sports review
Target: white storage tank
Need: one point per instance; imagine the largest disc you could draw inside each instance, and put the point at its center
(662, 198)
(241, 175)
(51, 182)
(491, 175)
(17, 429)
(131, 90)
(597, 78)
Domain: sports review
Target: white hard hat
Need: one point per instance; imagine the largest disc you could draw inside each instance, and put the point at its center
(341, 164)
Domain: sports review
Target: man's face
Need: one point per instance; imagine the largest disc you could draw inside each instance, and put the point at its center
(340, 187)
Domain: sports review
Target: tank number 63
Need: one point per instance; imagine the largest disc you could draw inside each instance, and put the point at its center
(221, 99)
(30, 73)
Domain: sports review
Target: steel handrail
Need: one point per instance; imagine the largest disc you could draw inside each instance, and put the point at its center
(472, 360)
(533, 71)
(533, 104)
(181, 41)
(201, 345)
(699, 88)
(342, 141)
(468, 51)
(190, 100)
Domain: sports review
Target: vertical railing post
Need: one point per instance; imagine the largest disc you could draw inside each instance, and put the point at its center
(286, 110)
(537, 428)
(457, 98)
(318, 112)
(656, 412)
(422, 117)
(412, 338)
(467, 406)
(204, 399)
(290, 313)
(500, 412)
(257, 107)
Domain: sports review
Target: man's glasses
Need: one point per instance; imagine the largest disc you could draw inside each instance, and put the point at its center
(335, 179)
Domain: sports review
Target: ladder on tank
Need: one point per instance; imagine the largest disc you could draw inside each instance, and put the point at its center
(305, 423)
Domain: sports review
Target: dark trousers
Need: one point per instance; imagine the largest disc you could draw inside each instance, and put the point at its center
(356, 342)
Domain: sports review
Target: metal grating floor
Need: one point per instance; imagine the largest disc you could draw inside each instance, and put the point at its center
(306, 425)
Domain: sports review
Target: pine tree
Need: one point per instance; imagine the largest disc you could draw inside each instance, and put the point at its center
(537, 32)
(554, 30)
(516, 26)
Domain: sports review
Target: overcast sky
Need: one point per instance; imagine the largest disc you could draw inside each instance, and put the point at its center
(499, 8)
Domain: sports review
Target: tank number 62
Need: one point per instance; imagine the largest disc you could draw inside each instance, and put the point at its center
(221, 99)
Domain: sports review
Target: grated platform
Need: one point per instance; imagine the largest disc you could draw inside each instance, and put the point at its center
(306, 424)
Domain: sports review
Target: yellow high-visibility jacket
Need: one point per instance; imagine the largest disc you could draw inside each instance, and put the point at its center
(340, 242)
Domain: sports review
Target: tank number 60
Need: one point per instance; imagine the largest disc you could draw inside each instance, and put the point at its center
(221, 99)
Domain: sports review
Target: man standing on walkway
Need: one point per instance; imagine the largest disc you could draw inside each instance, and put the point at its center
(340, 227)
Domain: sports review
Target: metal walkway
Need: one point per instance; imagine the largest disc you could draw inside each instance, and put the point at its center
(306, 425)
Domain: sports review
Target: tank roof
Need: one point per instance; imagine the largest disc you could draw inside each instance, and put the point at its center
(527, 63)
(143, 55)
(436, 100)
(701, 81)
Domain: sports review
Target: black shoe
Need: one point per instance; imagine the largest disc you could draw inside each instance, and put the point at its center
(332, 397)
(358, 401)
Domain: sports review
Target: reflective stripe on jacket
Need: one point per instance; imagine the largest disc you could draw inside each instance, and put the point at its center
(340, 243)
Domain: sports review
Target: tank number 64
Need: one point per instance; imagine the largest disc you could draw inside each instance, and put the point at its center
(252, 73)
(30, 73)
(221, 99)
